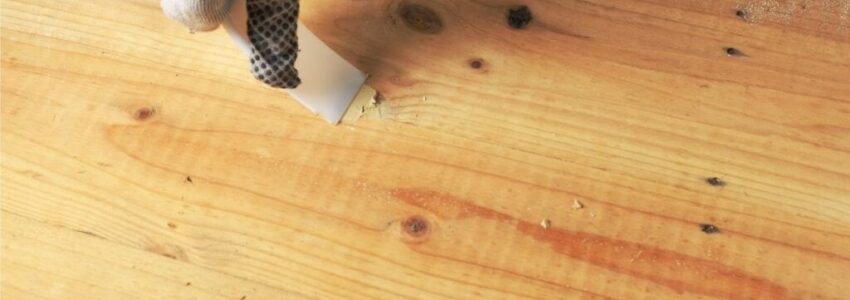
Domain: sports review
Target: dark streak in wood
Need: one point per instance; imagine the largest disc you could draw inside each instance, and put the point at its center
(89, 233)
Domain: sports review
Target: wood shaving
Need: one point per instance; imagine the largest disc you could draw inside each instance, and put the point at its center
(577, 204)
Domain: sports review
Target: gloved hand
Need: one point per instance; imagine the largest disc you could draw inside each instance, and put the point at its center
(271, 28)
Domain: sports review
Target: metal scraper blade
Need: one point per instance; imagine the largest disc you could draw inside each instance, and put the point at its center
(328, 82)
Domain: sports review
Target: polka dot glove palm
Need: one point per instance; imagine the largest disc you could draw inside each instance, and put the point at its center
(271, 29)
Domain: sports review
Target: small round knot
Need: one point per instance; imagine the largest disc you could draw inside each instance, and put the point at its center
(415, 226)
(144, 113)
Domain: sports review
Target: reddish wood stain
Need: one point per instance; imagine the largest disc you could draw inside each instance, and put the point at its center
(446, 206)
(679, 272)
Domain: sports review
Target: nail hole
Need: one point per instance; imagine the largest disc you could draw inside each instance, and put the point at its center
(714, 181)
(709, 229)
(476, 64)
(730, 51)
(741, 14)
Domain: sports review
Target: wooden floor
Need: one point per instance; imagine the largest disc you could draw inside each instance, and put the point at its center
(573, 158)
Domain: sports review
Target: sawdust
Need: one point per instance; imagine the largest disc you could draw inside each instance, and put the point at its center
(546, 223)
(844, 13)
(787, 11)
(368, 104)
(577, 204)
(636, 256)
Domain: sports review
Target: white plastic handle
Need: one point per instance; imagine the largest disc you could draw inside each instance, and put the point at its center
(236, 25)
(328, 82)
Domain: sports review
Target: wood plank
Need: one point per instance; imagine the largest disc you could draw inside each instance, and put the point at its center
(140, 161)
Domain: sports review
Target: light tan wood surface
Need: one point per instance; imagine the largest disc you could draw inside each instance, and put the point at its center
(143, 162)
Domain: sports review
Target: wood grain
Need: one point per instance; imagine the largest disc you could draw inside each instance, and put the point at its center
(143, 162)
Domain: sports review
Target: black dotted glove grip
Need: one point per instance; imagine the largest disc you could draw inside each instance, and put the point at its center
(274, 44)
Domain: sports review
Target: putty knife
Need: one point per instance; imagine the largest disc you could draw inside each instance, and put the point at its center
(328, 82)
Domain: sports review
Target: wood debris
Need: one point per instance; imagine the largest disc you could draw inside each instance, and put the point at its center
(577, 204)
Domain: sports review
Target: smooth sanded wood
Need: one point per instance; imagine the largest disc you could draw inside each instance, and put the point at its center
(143, 162)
